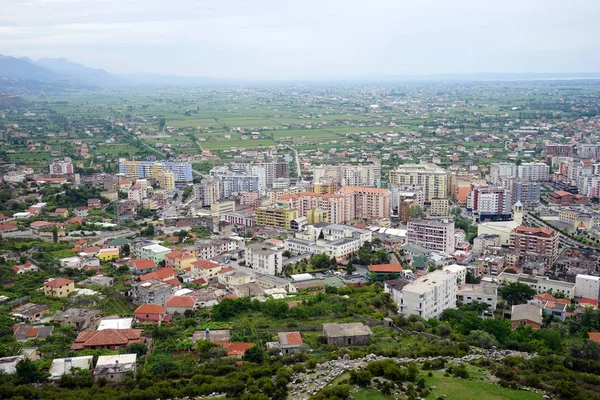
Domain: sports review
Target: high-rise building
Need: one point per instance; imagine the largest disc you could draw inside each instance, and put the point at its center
(348, 175)
(585, 150)
(209, 191)
(369, 203)
(502, 170)
(534, 171)
(277, 217)
(61, 167)
(429, 295)
(235, 182)
(528, 193)
(537, 241)
(182, 171)
(430, 177)
(432, 234)
(489, 202)
(559, 150)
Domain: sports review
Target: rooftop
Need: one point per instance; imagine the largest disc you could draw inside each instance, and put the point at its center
(344, 330)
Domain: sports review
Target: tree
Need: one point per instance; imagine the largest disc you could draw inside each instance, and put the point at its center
(287, 254)
(138, 348)
(125, 250)
(415, 212)
(254, 354)
(517, 293)
(320, 261)
(55, 234)
(28, 372)
(161, 123)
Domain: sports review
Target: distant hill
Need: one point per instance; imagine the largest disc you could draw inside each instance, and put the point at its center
(9, 102)
(78, 73)
(17, 68)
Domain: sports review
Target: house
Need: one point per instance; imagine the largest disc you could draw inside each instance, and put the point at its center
(27, 267)
(382, 272)
(81, 211)
(59, 287)
(154, 252)
(206, 269)
(61, 212)
(115, 368)
(152, 291)
(526, 315)
(98, 280)
(118, 243)
(110, 339)
(94, 203)
(78, 318)
(237, 350)
(161, 274)
(63, 366)
(108, 254)
(290, 342)
(24, 332)
(70, 262)
(179, 260)
(152, 313)
(8, 365)
(595, 336)
(354, 333)
(140, 266)
(6, 228)
(30, 311)
(180, 304)
(115, 323)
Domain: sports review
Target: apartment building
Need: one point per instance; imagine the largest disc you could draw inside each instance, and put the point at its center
(61, 167)
(369, 203)
(542, 241)
(439, 207)
(237, 182)
(502, 170)
(489, 202)
(277, 217)
(264, 259)
(558, 150)
(430, 177)
(542, 284)
(209, 191)
(348, 175)
(432, 234)
(182, 171)
(59, 287)
(154, 252)
(221, 208)
(534, 171)
(528, 193)
(429, 295)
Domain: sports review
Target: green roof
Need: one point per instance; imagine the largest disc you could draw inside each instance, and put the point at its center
(119, 242)
(420, 261)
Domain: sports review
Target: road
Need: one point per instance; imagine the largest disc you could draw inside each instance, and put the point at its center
(564, 240)
(297, 160)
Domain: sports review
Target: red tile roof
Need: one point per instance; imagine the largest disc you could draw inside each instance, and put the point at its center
(142, 263)
(150, 309)
(7, 227)
(107, 337)
(205, 264)
(160, 274)
(173, 281)
(595, 336)
(181, 301)
(236, 349)
(293, 338)
(385, 268)
(58, 282)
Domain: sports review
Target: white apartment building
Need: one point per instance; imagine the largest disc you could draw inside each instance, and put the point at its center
(432, 179)
(540, 283)
(154, 252)
(534, 171)
(348, 175)
(263, 259)
(483, 293)
(502, 170)
(432, 234)
(587, 286)
(342, 247)
(429, 295)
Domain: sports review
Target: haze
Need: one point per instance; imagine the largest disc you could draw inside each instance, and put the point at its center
(277, 39)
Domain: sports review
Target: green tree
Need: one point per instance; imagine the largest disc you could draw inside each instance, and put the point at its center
(28, 371)
(55, 234)
(287, 254)
(517, 293)
(320, 261)
(161, 123)
(254, 354)
(415, 212)
(125, 250)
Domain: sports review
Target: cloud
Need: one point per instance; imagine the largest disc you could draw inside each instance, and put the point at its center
(309, 38)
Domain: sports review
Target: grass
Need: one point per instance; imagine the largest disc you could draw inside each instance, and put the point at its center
(473, 389)
(370, 394)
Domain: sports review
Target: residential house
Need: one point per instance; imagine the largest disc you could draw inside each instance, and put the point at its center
(118, 243)
(115, 368)
(30, 311)
(115, 323)
(94, 203)
(154, 252)
(81, 211)
(59, 287)
(70, 262)
(63, 366)
(179, 260)
(78, 318)
(263, 259)
(24, 332)
(140, 266)
(354, 333)
(98, 280)
(61, 212)
(27, 267)
(180, 304)
(381, 272)
(290, 342)
(237, 350)
(482, 293)
(108, 254)
(8, 365)
(206, 269)
(526, 315)
(152, 313)
(110, 339)
(152, 291)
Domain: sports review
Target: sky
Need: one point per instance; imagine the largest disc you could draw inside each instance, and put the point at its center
(296, 39)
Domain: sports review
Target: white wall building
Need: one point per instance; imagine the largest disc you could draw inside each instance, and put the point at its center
(534, 171)
(429, 295)
(587, 286)
(264, 259)
(502, 170)
(432, 234)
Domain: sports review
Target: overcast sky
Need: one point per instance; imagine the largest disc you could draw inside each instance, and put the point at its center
(307, 38)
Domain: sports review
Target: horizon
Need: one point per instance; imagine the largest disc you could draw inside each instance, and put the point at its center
(266, 40)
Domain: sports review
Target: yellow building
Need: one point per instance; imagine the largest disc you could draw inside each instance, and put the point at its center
(315, 215)
(108, 254)
(275, 217)
(325, 187)
(179, 260)
(59, 287)
(222, 207)
(430, 177)
(439, 207)
(166, 180)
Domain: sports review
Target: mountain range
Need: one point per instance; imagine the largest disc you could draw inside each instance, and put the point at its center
(60, 72)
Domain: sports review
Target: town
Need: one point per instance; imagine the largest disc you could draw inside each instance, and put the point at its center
(350, 241)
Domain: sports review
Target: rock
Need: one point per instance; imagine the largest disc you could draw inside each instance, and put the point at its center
(546, 397)
(346, 356)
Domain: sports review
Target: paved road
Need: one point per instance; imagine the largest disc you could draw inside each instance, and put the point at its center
(297, 160)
